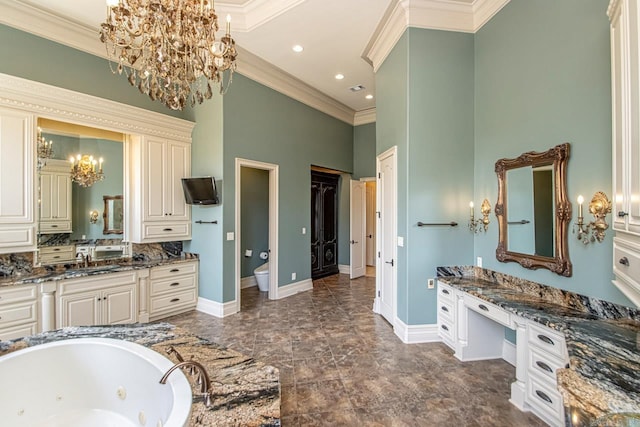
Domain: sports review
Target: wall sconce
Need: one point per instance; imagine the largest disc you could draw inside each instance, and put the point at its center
(93, 216)
(481, 224)
(599, 207)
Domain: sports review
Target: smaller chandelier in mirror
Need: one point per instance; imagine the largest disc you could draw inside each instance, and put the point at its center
(45, 148)
(84, 171)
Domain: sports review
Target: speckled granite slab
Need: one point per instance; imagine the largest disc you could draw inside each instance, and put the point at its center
(245, 392)
(603, 339)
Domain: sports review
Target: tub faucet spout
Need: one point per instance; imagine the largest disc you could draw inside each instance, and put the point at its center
(202, 378)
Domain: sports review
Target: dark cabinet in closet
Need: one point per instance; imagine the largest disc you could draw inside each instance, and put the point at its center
(324, 224)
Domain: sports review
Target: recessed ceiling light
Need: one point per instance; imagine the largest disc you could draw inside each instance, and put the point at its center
(369, 96)
(297, 48)
(339, 76)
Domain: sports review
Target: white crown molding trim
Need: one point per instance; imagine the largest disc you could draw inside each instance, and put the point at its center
(364, 117)
(65, 105)
(248, 282)
(265, 73)
(52, 27)
(294, 288)
(448, 15)
(217, 309)
(254, 13)
(415, 334)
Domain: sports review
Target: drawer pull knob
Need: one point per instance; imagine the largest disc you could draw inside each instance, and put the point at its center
(54, 226)
(56, 250)
(174, 270)
(445, 327)
(544, 366)
(175, 284)
(483, 307)
(622, 214)
(168, 229)
(624, 261)
(444, 291)
(56, 257)
(546, 339)
(542, 395)
(445, 309)
(175, 300)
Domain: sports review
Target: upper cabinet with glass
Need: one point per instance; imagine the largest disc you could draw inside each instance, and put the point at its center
(533, 210)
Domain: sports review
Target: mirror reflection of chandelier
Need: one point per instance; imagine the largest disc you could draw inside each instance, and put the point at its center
(45, 148)
(171, 47)
(83, 170)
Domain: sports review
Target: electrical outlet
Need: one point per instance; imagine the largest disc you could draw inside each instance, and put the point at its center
(431, 283)
(293, 276)
(479, 261)
(230, 235)
(304, 230)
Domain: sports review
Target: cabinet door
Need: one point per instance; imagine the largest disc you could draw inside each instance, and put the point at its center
(46, 196)
(119, 305)
(81, 309)
(633, 117)
(62, 200)
(179, 159)
(154, 168)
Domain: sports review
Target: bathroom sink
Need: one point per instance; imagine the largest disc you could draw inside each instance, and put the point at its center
(88, 270)
(91, 381)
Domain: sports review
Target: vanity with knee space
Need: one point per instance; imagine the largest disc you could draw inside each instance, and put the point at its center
(474, 308)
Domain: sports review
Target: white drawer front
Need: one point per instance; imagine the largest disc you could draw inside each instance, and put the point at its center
(626, 261)
(172, 270)
(14, 332)
(487, 309)
(98, 281)
(17, 237)
(545, 399)
(445, 331)
(445, 310)
(548, 340)
(171, 230)
(544, 364)
(17, 314)
(445, 292)
(173, 285)
(13, 294)
(173, 301)
(55, 227)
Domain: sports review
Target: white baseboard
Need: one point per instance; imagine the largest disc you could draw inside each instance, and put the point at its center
(294, 288)
(217, 309)
(414, 334)
(509, 353)
(344, 268)
(248, 282)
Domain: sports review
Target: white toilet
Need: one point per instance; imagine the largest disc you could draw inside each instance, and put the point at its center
(262, 277)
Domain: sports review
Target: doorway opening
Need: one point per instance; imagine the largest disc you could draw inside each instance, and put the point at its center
(370, 226)
(256, 215)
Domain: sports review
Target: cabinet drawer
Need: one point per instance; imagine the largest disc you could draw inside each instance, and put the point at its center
(445, 293)
(14, 332)
(168, 230)
(172, 270)
(445, 309)
(14, 238)
(13, 294)
(97, 282)
(545, 399)
(55, 227)
(626, 260)
(182, 283)
(17, 314)
(548, 340)
(544, 364)
(173, 301)
(445, 331)
(487, 309)
(56, 254)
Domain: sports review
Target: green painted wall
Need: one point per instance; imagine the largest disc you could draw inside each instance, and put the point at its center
(262, 124)
(542, 77)
(364, 151)
(254, 217)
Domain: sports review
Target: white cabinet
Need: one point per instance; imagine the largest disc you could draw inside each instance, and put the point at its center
(159, 210)
(173, 289)
(17, 178)
(104, 299)
(447, 315)
(625, 73)
(56, 254)
(55, 198)
(18, 311)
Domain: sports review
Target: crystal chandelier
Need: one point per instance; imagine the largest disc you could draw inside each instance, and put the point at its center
(168, 48)
(83, 170)
(45, 149)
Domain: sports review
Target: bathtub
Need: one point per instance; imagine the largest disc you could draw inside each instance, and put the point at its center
(96, 382)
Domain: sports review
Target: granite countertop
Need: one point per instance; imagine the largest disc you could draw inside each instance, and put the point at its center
(245, 392)
(603, 339)
(60, 271)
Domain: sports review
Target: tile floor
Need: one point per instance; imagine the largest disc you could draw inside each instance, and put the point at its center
(341, 364)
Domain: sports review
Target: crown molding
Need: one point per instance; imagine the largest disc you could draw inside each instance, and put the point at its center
(254, 13)
(365, 117)
(448, 15)
(66, 105)
(60, 30)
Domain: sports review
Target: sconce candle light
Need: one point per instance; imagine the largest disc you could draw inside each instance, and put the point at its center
(93, 216)
(599, 207)
(481, 224)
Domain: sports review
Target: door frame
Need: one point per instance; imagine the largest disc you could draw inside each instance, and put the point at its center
(391, 152)
(274, 174)
(362, 235)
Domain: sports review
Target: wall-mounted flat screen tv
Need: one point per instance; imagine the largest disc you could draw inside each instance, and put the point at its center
(200, 191)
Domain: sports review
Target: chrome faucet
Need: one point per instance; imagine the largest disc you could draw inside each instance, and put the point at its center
(202, 379)
(83, 261)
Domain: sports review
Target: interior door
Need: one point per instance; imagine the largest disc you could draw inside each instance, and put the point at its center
(386, 270)
(357, 233)
(371, 223)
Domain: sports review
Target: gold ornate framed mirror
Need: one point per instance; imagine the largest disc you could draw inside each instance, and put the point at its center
(533, 210)
(113, 215)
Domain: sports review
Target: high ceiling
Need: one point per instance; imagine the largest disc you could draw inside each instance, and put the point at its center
(335, 34)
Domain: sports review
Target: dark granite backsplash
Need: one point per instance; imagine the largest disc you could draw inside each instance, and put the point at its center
(156, 251)
(572, 300)
(16, 264)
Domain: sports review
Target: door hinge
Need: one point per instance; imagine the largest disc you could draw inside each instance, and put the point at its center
(378, 213)
(378, 254)
(378, 294)
(379, 175)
